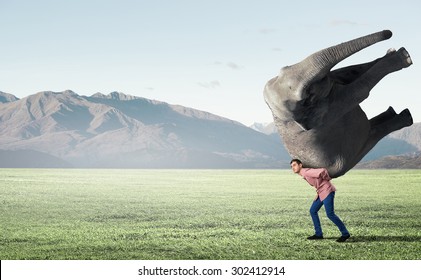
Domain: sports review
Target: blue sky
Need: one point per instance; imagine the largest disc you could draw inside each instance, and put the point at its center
(214, 55)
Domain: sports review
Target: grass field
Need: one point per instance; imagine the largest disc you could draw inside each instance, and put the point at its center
(203, 214)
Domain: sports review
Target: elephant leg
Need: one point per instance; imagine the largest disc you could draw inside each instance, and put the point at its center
(347, 75)
(397, 122)
(348, 94)
(381, 118)
(391, 62)
(381, 129)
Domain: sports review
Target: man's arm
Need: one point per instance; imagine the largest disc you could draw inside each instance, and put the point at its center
(316, 173)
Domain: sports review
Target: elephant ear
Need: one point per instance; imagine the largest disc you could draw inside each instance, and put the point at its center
(311, 112)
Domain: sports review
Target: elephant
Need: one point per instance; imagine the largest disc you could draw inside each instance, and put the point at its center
(316, 109)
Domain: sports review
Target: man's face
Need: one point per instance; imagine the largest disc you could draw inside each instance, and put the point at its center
(296, 167)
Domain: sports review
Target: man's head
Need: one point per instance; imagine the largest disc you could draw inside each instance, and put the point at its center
(296, 165)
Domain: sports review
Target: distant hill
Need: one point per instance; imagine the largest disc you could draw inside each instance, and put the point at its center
(30, 159)
(266, 128)
(411, 135)
(394, 162)
(123, 131)
(389, 146)
(6, 97)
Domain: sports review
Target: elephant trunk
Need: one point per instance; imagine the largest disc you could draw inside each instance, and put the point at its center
(324, 60)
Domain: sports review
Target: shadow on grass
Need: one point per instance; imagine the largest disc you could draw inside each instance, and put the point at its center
(376, 238)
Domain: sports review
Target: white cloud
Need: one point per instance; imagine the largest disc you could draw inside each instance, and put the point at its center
(210, 85)
(231, 65)
(234, 66)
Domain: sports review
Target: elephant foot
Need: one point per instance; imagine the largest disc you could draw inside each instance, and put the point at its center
(383, 117)
(405, 57)
(406, 118)
(399, 58)
(391, 50)
(390, 111)
(403, 119)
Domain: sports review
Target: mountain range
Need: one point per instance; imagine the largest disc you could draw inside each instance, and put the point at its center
(122, 131)
(64, 129)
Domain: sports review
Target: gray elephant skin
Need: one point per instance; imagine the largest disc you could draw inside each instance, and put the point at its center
(317, 112)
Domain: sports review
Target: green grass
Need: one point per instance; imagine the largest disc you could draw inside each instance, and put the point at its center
(203, 214)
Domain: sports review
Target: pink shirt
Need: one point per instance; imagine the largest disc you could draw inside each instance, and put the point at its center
(320, 179)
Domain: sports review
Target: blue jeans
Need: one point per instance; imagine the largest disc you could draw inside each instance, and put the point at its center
(330, 213)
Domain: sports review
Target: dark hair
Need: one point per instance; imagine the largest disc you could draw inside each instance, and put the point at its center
(296, 160)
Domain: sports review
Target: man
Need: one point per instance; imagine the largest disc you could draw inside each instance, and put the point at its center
(320, 179)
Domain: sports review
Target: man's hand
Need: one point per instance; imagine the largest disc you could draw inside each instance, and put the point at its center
(317, 196)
